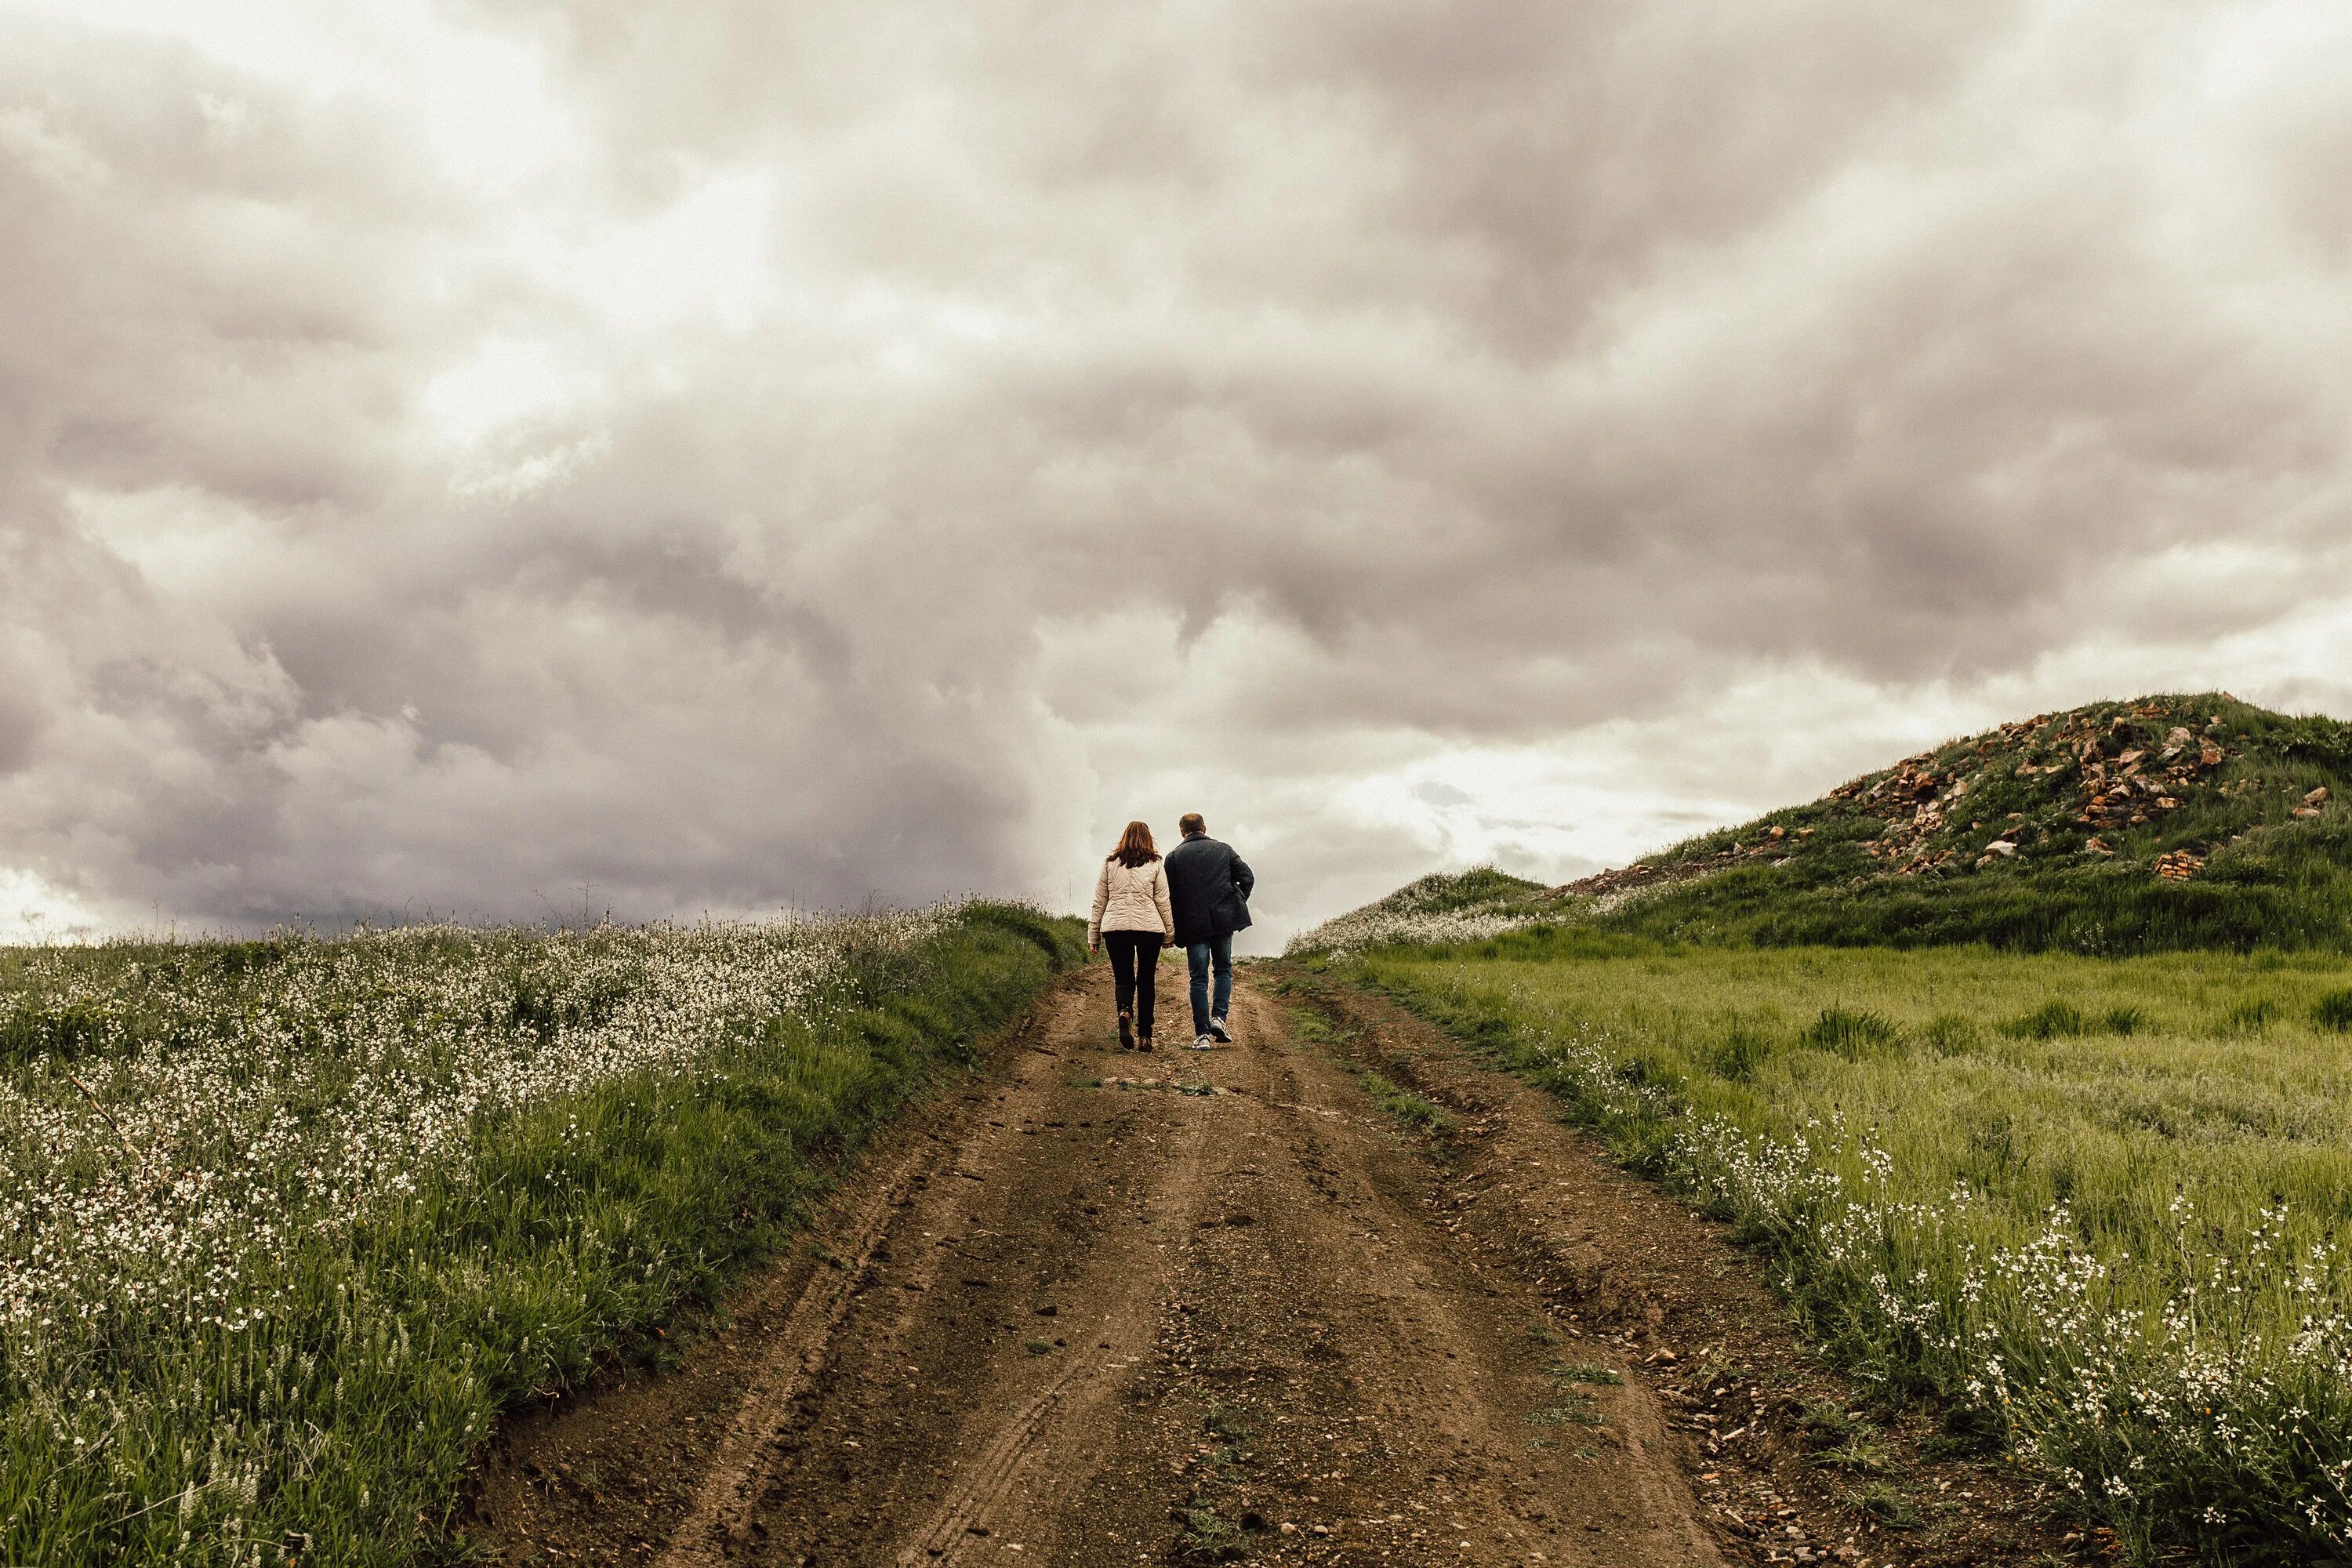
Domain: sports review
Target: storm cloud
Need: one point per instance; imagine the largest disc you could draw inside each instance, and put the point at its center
(502, 458)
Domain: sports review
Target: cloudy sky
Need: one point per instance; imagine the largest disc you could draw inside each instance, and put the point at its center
(496, 457)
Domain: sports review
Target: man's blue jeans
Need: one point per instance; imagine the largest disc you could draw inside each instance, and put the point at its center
(1198, 957)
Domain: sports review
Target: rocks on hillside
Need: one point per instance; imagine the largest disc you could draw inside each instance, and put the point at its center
(2091, 783)
(1634, 879)
(1612, 888)
(2110, 783)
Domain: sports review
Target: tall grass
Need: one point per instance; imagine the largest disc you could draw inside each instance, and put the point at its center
(2288, 886)
(2096, 1209)
(286, 1225)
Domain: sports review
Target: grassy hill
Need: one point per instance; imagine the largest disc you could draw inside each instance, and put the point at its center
(2011, 1185)
(2165, 823)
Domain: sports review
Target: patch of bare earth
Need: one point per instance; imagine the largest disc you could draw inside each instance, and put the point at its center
(1093, 1307)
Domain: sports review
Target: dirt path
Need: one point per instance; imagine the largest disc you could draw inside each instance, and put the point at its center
(1103, 1307)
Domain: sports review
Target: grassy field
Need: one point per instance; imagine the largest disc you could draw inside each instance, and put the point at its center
(2093, 1209)
(285, 1224)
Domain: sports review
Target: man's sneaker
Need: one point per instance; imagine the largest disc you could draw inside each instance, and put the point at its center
(1217, 1028)
(1203, 1043)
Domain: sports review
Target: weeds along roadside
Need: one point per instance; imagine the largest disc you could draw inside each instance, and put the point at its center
(283, 1226)
(2102, 1232)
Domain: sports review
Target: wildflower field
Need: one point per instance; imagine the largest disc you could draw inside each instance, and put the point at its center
(285, 1224)
(2092, 1211)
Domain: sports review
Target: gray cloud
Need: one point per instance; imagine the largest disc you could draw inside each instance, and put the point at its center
(814, 453)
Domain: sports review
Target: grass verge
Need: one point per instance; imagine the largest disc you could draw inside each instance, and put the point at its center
(2091, 1210)
(324, 1403)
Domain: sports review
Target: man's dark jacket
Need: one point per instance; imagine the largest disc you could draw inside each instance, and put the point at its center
(1208, 888)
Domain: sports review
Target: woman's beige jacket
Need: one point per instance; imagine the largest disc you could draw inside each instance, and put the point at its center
(1132, 898)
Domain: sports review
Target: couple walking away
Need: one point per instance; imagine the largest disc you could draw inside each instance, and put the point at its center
(1195, 900)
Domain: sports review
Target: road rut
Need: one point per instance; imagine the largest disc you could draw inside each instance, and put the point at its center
(1100, 1307)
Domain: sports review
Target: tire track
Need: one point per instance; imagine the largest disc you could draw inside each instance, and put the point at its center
(1109, 1309)
(718, 1520)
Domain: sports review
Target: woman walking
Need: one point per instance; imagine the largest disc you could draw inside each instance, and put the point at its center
(1132, 918)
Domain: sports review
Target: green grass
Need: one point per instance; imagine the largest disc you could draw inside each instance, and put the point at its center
(1884, 1503)
(1572, 1409)
(2092, 1209)
(2270, 879)
(1841, 1440)
(2290, 889)
(332, 1414)
(1415, 1110)
(1208, 1536)
(2086, 807)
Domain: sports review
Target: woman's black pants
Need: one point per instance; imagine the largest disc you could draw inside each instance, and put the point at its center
(1134, 966)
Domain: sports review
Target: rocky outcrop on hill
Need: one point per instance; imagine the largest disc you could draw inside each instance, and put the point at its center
(1610, 889)
(2178, 821)
(2101, 771)
(2089, 784)
(2056, 783)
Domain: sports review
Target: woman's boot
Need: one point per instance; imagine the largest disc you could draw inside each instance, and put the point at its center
(1144, 1044)
(1127, 1031)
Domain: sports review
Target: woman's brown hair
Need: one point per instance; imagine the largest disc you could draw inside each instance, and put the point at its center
(1134, 846)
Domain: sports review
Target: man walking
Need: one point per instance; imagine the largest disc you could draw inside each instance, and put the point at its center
(1209, 887)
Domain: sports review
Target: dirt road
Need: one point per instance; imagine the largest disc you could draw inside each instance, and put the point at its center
(1104, 1308)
